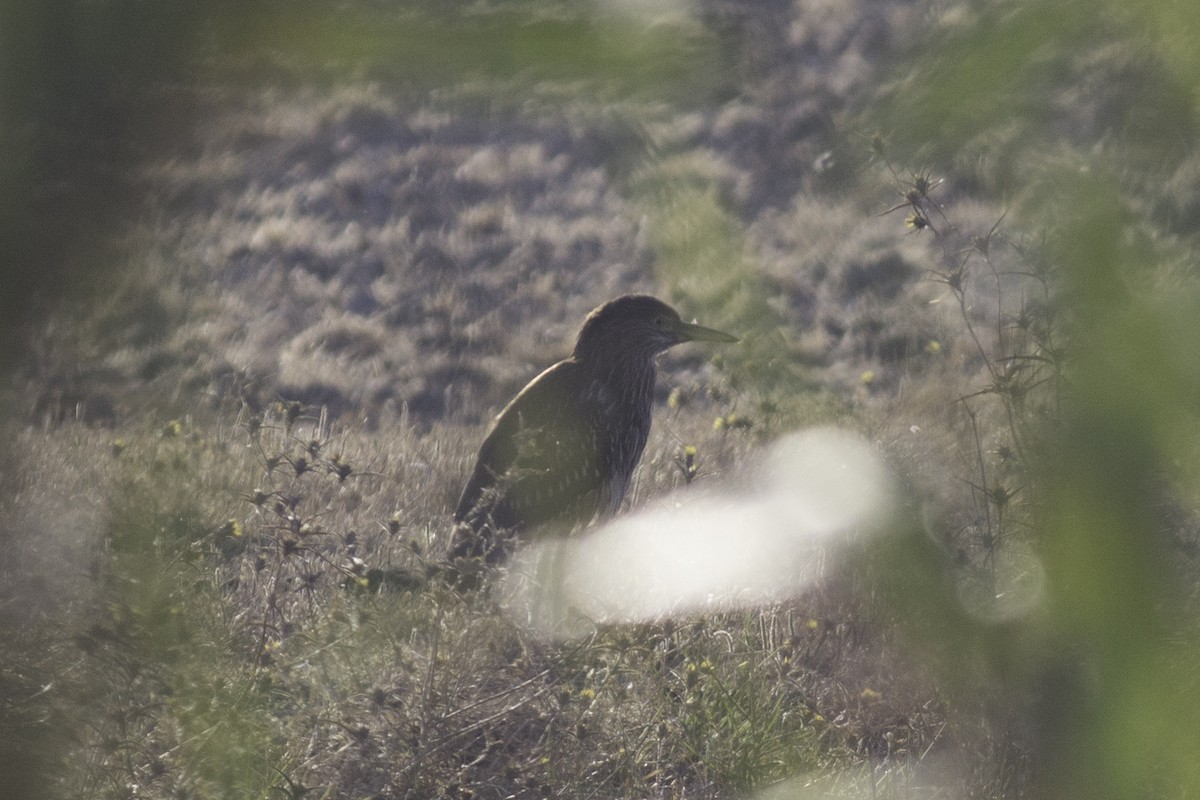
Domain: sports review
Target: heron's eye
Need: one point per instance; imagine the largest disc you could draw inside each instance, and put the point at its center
(660, 321)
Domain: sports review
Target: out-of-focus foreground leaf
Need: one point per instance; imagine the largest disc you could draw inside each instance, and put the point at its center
(1109, 655)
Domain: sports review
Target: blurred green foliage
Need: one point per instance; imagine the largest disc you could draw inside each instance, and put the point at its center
(1102, 673)
(1008, 85)
(1107, 656)
(82, 101)
(1112, 474)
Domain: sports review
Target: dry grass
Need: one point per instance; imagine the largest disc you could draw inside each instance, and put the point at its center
(260, 617)
(232, 470)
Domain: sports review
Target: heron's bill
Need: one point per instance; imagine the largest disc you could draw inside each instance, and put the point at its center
(692, 332)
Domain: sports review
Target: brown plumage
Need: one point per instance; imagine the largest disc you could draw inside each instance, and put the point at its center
(562, 452)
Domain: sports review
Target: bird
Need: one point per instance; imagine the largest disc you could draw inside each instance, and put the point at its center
(562, 452)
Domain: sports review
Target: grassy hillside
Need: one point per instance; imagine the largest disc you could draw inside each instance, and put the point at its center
(317, 250)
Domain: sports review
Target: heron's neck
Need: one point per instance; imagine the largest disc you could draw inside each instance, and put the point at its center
(627, 380)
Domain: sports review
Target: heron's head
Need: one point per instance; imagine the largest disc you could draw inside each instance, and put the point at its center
(638, 326)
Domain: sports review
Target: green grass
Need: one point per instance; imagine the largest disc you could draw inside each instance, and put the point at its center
(231, 464)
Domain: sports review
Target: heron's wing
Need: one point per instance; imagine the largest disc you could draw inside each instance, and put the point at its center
(541, 462)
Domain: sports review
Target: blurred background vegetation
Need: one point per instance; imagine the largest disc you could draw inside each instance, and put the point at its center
(217, 513)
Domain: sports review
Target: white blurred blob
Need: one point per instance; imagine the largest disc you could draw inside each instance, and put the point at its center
(706, 550)
(1009, 586)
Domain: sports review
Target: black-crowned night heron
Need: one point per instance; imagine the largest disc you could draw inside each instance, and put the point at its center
(562, 452)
